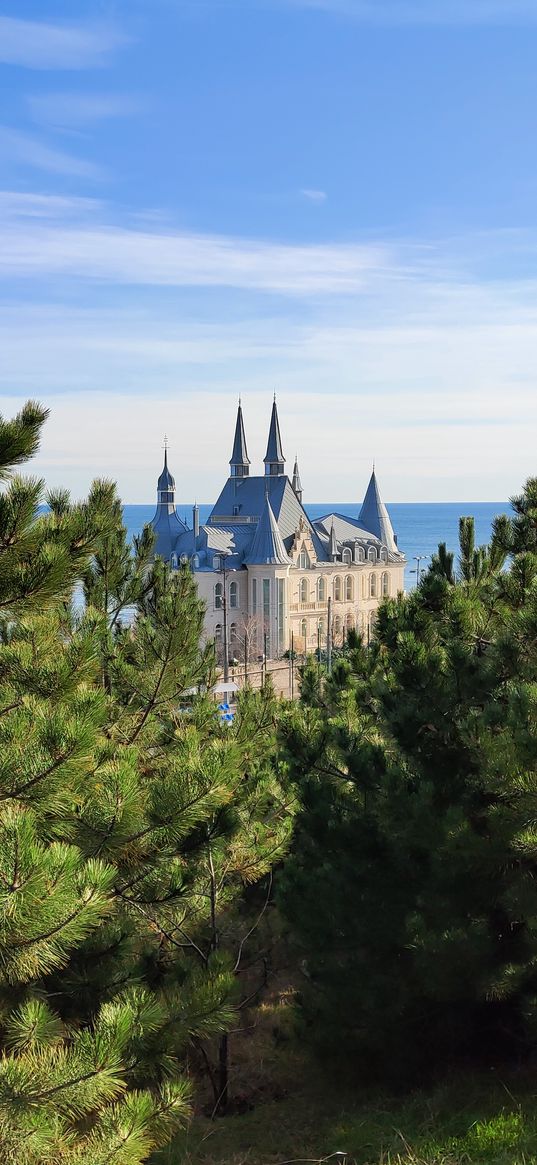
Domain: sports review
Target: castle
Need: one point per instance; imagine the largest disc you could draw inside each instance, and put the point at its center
(266, 571)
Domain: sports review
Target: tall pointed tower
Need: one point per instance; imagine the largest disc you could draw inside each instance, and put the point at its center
(374, 516)
(274, 458)
(240, 462)
(297, 484)
(166, 524)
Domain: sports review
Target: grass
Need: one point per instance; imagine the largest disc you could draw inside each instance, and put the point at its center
(293, 1112)
(470, 1121)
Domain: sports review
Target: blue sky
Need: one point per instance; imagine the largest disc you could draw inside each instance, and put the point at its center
(333, 199)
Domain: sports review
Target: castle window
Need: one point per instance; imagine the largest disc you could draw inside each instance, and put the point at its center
(349, 588)
(349, 622)
(321, 628)
(304, 630)
(173, 562)
(384, 554)
(233, 595)
(337, 625)
(304, 590)
(372, 586)
(303, 560)
(218, 596)
(217, 562)
(233, 633)
(385, 584)
(321, 590)
(195, 561)
(361, 554)
(346, 557)
(218, 632)
(337, 589)
(372, 554)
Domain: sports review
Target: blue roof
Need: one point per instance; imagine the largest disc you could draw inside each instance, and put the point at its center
(267, 547)
(166, 481)
(374, 515)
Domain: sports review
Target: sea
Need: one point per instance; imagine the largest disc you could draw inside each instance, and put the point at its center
(419, 526)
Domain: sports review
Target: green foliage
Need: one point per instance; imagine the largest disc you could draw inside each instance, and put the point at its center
(410, 887)
(131, 824)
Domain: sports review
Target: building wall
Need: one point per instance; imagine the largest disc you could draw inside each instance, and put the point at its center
(295, 603)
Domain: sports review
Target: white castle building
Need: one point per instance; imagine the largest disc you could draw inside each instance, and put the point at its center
(266, 571)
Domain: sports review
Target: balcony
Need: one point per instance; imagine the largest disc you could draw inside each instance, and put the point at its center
(316, 606)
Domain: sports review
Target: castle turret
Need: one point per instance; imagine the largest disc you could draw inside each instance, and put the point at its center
(374, 516)
(297, 484)
(274, 458)
(166, 524)
(240, 462)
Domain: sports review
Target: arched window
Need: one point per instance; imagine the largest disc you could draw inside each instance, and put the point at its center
(217, 562)
(349, 622)
(384, 554)
(361, 554)
(349, 588)
(364, 586)
(218, 632)
(304, 590)
(337, 589)
(304, 629)
(372, 586)
(321, 628)
(233, 594)
(337, 625)
(173, 562)
(218, 596)
(321, 590)
(233, 633)
(372, 554)
(195, 561)
(346, 556)
(385, 584)
(303, 560)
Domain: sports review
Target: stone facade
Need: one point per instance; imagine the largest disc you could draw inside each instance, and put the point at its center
(269, 576)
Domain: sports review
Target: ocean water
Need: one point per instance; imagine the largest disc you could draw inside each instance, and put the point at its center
(419, 526)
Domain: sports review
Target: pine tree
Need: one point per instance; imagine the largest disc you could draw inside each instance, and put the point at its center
(117, 789)
(410, 884)
(132, 824)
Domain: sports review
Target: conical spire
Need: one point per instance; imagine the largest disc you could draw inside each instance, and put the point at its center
(274, 458)
(374, 516)
(267, 548)
(332, 547)
(166, 481)
(297, 484)
(240, 462)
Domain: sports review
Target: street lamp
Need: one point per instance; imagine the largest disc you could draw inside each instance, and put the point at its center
(419, 558)
(223, 558)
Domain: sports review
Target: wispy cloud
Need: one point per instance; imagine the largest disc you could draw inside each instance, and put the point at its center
(139, 257)
(16, 204)
(37, 45)
(73, 109)
(316, 196)
(30, 151)
(397, 344)
(427, 12)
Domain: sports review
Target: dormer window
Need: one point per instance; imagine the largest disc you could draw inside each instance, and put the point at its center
(303, 560)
